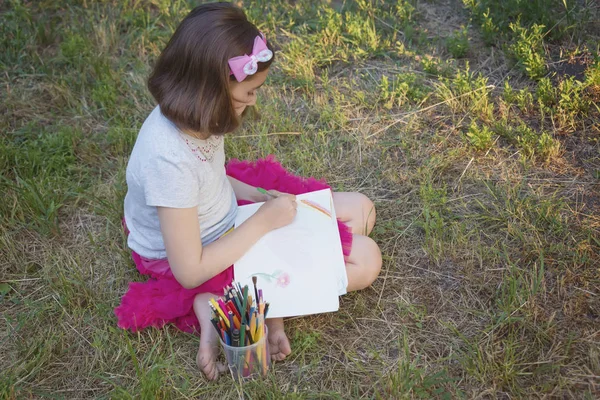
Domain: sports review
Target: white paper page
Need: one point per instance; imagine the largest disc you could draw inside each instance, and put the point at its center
(299, 267)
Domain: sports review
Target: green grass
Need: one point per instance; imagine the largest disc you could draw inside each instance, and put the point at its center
(472, 125)
(458, 43)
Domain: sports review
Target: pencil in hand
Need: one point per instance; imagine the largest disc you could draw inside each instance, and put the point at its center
(266, 192)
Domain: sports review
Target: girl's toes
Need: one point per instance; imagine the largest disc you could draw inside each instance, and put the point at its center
(206, 361)
(279, 346)
(222, 368)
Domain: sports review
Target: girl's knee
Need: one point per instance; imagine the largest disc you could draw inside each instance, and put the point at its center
(201, 300)
(370, 259)
(367, 206)
(374, 260)
(368, 212)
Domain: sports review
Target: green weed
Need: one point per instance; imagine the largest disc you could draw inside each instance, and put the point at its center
(346, 36)
(458, 43)
(525, 27)
(435, 218)
(466, 92)
(405, 88)
(592, 77)
(527, 49)
(522, 98)
(503, 13)
(479, 138)
(572, 101)
(438, 67)
(75, 48)
(531, 143)
(546, 95)
(566, 102)
(489, 29)
(411, 381)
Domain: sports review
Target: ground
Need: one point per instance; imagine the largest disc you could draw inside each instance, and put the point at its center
(472, 125)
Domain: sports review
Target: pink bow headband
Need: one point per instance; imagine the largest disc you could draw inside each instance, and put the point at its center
(245, 65)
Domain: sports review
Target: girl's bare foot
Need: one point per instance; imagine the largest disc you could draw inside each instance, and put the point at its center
(206, 359)
(279, 345)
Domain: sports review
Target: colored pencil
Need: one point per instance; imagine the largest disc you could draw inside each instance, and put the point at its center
(220, 311)
(244, 305)
(265, 192)
(235, 341)
(236, 299)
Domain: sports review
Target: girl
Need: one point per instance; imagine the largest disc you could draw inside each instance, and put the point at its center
(181, 204)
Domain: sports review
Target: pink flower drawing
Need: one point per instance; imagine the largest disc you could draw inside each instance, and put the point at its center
(283, 280)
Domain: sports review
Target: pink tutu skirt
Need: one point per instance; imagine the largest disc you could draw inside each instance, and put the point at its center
(161, 299)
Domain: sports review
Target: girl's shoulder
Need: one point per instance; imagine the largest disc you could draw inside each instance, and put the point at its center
(159, 139)
(159, 135)
(157, 126)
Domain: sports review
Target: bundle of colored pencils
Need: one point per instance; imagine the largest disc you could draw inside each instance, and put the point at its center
(238, 318)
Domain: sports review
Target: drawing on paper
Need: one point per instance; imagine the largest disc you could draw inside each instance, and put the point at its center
(281, 278)
(316, 207)
(302, 257)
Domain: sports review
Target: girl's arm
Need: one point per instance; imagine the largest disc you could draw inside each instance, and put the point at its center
(243, 191)
(193, 264)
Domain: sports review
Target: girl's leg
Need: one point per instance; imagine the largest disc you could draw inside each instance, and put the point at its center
(209, 341)
(363, 264)
(356, 210)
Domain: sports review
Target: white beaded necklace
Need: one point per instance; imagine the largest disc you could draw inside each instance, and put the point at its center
(205, 151)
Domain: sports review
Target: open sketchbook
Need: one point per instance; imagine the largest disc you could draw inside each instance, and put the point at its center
(299, 267)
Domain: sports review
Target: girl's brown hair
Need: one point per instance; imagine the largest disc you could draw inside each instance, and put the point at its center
(190, 80)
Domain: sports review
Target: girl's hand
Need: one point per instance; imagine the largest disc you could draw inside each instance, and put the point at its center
(275, 193)
(278, 212)
(271, 194)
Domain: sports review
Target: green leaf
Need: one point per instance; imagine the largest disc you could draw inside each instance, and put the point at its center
(4, 288)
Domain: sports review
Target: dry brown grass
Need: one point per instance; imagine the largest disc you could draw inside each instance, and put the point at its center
(490, 285)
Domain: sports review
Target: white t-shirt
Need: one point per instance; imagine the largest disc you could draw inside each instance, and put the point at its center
(170, 169)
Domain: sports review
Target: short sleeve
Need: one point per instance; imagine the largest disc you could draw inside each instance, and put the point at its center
(170, 183)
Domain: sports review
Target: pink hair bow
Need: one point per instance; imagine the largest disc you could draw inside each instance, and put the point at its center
(245, 65)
